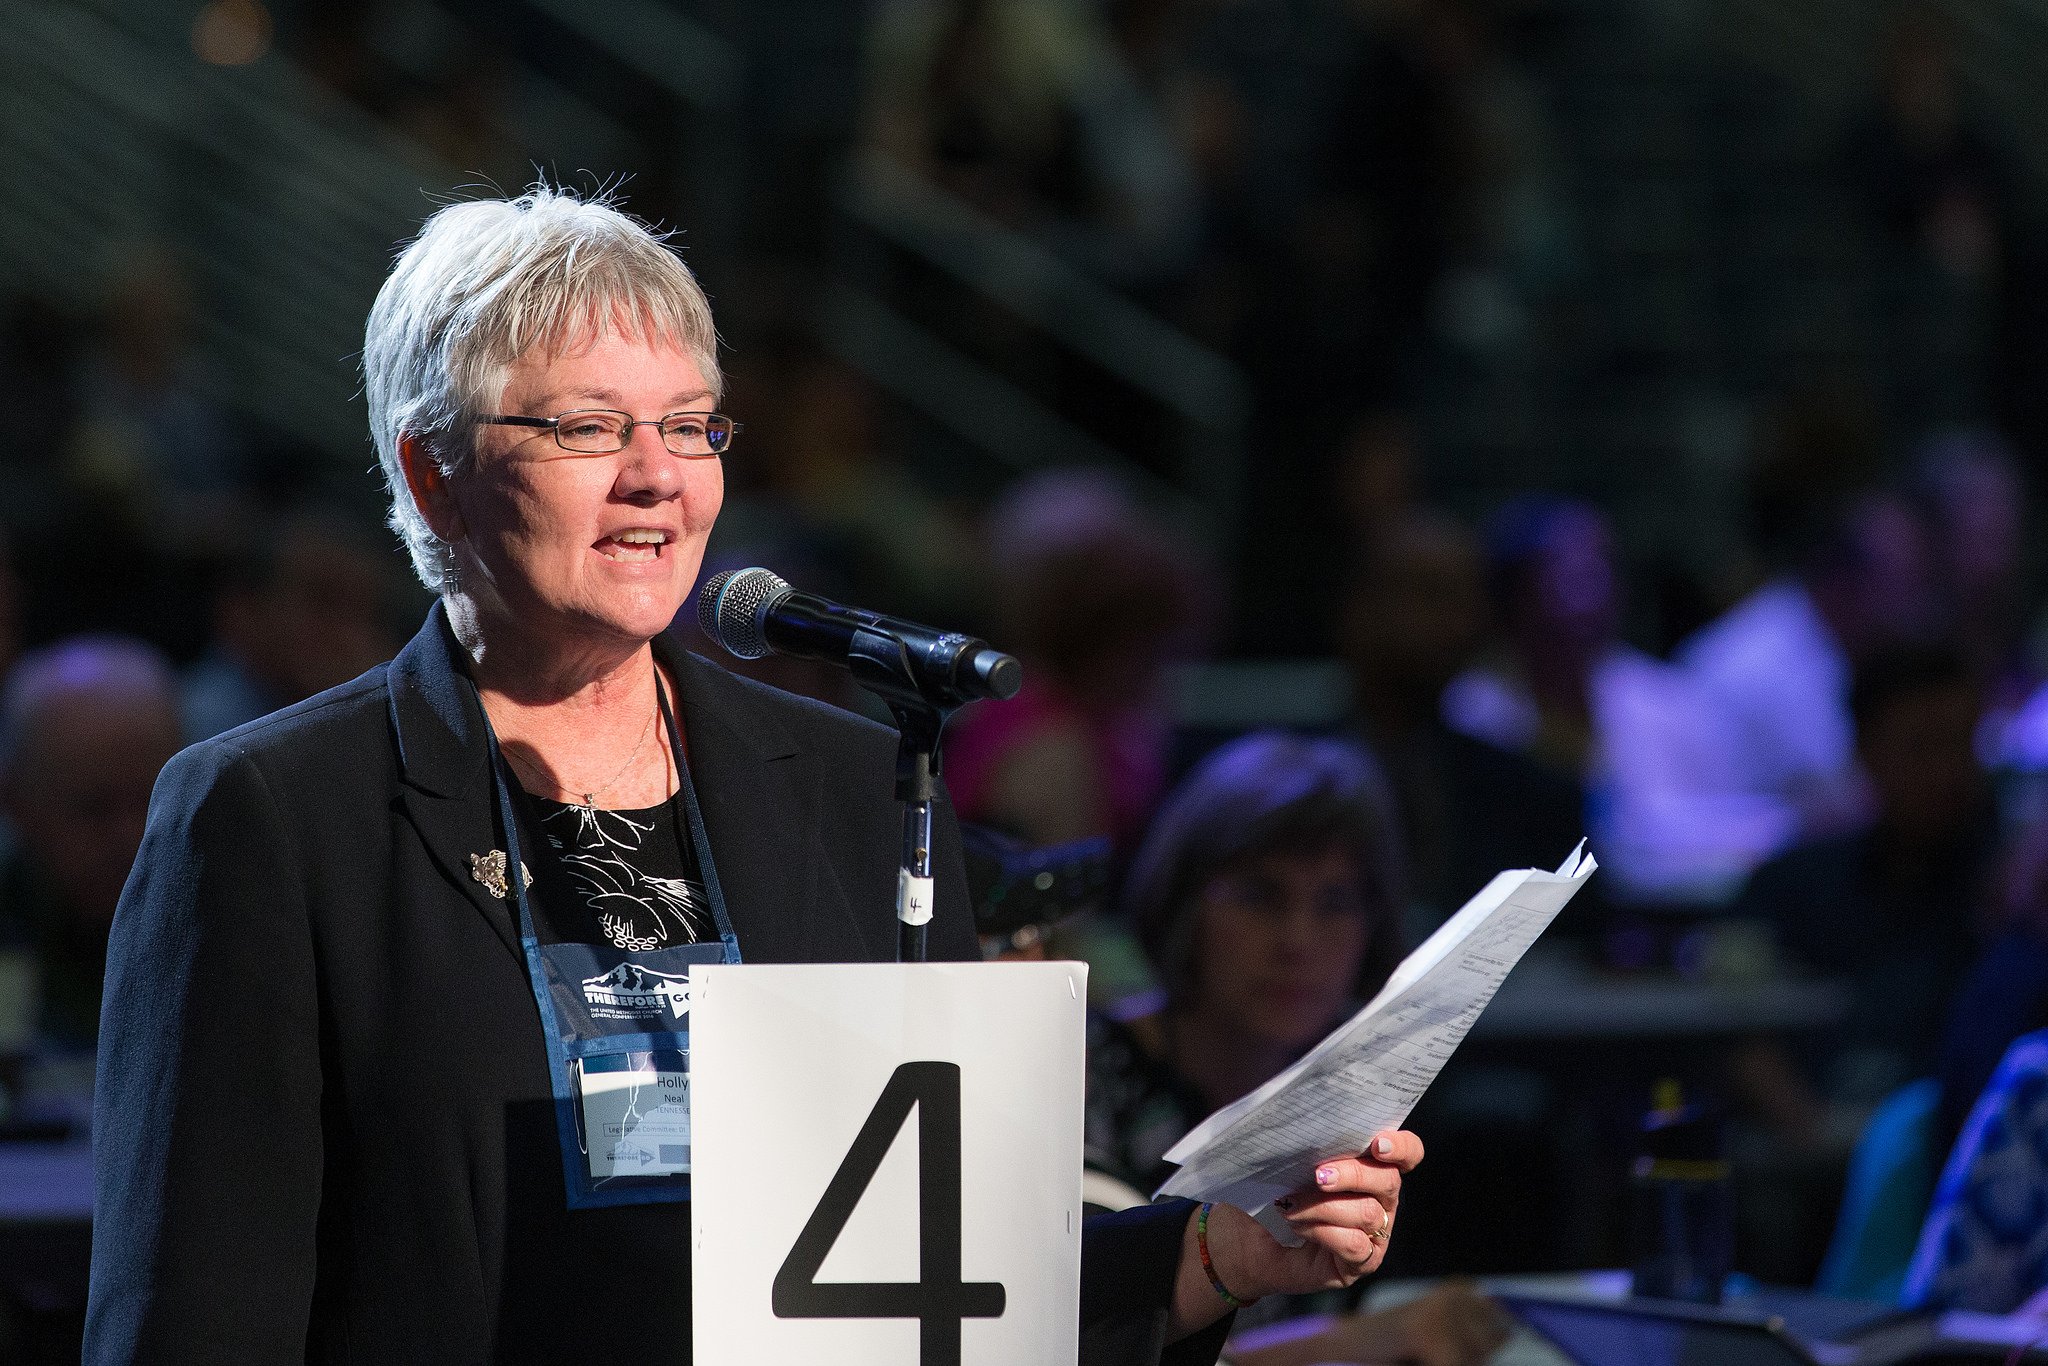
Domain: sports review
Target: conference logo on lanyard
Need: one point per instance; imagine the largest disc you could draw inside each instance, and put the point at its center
(632, 992)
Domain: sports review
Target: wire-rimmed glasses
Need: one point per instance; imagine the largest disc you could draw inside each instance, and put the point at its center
(600, 431)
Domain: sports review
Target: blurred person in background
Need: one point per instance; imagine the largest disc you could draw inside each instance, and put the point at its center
(1891, 908)
(1268, 895)
(1037, 113)
(1930, 171)
(1663, 804)
(85, 726)
(1930, 176)
(39, 344)
(151, 426)
(1098, 600)
(1413, 616)
(2005, 992)
(1971, 494)
(829, 478)
(304, 607)
(1779, 664)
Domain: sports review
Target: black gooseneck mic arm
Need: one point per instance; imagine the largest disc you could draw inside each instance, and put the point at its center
(923, 675)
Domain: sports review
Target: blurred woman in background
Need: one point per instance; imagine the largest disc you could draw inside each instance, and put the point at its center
(1267, 894)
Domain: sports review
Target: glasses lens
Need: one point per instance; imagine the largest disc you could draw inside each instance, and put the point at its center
(697, 433)
(594, 431)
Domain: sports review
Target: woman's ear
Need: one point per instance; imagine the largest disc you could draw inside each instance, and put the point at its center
(429, 486)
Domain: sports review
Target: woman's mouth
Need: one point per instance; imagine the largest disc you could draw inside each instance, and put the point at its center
(637, 545)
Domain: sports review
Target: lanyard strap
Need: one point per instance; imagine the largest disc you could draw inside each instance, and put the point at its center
(515, 873)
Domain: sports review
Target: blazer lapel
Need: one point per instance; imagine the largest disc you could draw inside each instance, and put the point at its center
(759, 812)
(751, 778)
(445, 758)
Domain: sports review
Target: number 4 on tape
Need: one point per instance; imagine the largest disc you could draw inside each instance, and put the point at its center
(938, 1300)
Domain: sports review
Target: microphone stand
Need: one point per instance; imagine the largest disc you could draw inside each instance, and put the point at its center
(881, 664)
(917, 779)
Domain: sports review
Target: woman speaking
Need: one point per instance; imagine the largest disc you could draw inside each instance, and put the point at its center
(373, 944)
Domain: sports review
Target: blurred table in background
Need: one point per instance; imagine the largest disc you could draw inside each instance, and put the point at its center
(1557, 1001)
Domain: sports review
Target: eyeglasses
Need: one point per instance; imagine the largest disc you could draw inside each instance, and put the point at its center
(600, 431)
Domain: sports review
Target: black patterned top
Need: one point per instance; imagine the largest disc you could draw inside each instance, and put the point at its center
(629, 879)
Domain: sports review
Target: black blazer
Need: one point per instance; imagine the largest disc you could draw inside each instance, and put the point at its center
(322, 1124)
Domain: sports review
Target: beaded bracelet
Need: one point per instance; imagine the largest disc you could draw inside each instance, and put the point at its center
(1208, 1266)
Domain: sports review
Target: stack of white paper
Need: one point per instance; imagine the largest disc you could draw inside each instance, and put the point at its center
(1368, 1074)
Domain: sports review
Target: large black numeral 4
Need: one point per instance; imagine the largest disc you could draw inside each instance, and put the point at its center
(939, 1300)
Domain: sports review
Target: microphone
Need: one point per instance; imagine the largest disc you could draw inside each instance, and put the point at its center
(753, 612)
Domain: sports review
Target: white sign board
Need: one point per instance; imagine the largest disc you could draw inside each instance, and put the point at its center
(886, 1163)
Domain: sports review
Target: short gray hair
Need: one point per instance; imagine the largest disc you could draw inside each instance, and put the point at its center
(484, 283)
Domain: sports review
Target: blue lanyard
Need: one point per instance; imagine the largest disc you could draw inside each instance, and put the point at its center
(569, 1058)
(693, 817)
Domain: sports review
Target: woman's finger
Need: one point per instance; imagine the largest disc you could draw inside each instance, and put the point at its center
(1355, 1252)
(1360, 1212)
(1397, 1148)
(1344, 1176)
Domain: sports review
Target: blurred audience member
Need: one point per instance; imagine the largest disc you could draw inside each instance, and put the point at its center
(1892, 907)
(1778, 665)
(1929, 176)
(38, 355)
(1377, 461)
(1403, 167)
(84, 727)
(150, 424)
(1984, 1247)
(1098, 600)
(2005, 993)
(1932, 178)
(304, 608)
(1662, 801)
(1414, 614)
(1034, 111)
(1975, 504)
(824, 470)
(1268, 896)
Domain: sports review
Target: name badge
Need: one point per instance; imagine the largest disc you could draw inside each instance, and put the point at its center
(636, 1113)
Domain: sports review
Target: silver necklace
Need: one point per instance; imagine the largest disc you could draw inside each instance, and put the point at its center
(589, 801)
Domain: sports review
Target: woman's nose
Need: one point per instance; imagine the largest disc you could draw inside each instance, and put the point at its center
(647, 468)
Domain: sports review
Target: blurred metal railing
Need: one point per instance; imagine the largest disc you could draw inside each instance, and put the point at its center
(1206, 392)
(285, 206)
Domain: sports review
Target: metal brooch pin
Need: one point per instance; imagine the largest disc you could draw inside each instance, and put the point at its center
(489, 871)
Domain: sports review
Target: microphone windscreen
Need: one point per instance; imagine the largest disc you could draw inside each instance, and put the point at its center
(729, 608)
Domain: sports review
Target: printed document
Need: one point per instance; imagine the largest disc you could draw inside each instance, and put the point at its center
(1368, 1075)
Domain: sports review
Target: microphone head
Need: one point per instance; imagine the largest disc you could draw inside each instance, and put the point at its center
(732, 605)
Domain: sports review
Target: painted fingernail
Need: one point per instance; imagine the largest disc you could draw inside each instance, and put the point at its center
(1325, 1175)
(1384, 1146)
